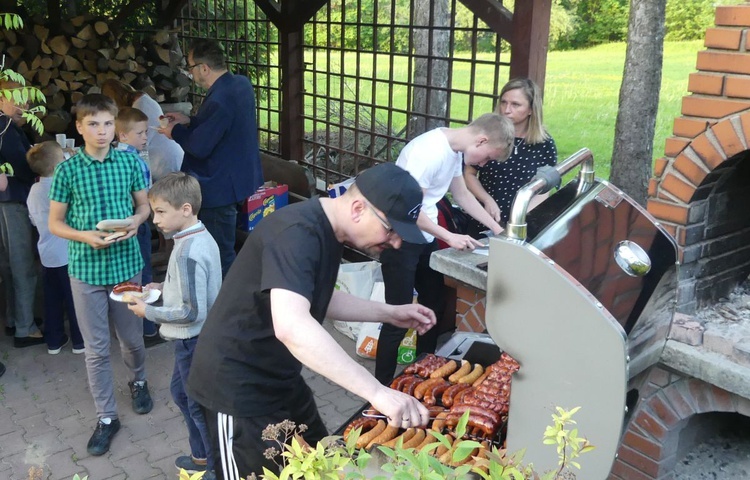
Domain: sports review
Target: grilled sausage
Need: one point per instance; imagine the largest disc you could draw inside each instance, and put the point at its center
(451, 392)
(418, 437)
(422, 388)
(442, 449)
(439, 422)
(368, 436)
(428, 439)
(481, 379)
(362, 422)
(445, 370)
(404, 437)
(411, 385)
(473, 376)
(387, 435)
(464, 370)
(432, 395)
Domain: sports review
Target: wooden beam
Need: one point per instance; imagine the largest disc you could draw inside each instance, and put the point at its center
(272, 9)
(494, 14)
(530, 41)
(168, 13)
(292, 124)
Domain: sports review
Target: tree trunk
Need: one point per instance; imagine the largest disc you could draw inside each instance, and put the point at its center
(431, 50)
(632, 156)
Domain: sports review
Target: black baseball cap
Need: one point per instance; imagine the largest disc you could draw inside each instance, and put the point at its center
(393, 191)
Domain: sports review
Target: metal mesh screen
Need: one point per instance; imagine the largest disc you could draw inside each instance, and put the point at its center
(376, 73)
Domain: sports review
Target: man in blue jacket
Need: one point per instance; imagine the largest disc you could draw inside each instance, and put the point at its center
(220, 143)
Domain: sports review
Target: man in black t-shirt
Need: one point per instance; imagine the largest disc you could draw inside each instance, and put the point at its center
(266, 321)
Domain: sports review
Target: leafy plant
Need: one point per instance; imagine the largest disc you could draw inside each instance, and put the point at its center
(22, 95)
(184, 475)
(569, 445)
(332, 459)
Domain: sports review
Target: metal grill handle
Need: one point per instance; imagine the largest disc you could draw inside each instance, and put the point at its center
(516, 227)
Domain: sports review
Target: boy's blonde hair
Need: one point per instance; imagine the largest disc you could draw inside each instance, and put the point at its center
(498, 129)
(43, 157)
(177, 189)
(127, 118)
(94, 103)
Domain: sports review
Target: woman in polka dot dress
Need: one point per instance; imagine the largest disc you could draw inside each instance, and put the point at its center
(495, 185)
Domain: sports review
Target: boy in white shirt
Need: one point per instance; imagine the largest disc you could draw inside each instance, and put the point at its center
(53, 253)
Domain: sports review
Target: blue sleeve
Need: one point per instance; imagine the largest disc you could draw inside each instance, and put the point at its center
(205, 131)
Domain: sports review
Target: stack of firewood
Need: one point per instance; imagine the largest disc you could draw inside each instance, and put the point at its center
(68, 63)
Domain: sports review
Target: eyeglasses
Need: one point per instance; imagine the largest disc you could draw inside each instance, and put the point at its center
(383, 222)
(191, 67)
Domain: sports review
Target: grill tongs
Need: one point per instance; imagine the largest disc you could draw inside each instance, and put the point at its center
(372, 413)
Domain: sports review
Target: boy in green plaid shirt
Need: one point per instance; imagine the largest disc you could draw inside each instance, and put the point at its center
(100, 183)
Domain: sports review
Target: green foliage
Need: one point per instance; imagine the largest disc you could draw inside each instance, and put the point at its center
(184, 475)
(331, 459)
(689, 20)
(569, 445)
(76, 477)
(23, 95)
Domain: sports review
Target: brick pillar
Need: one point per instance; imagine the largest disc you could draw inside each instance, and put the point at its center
(714, 127)
(470, 306)
(668, 400)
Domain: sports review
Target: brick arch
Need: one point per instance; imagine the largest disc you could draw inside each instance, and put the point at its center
(649, 447)
(715, 121)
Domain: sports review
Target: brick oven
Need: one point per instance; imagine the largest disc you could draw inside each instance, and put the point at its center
(700, 194)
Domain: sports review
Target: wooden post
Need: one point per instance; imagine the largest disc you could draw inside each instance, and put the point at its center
(530, 40)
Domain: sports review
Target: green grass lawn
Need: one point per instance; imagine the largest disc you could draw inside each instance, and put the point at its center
(582, 90)
(581, 93)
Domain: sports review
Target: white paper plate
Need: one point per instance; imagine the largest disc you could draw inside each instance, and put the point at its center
(153, 295)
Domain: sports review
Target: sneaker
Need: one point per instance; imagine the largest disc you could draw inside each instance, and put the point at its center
(102, 437)
(151, 340)
(79, 349)
(142, 402)
(190, 465)
(55, 351)
(23, 342)
(10, 331)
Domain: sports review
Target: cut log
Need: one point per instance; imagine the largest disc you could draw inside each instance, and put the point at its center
(15, 52)
(76, 97)
(161, 37)
(78, 20)
(163, 54)
(41, 32)
(101, 27)
(128, 77)
(86, 33)
(59, 44)
(107, 53)
(73, 86)
(67, 76)
(78, 43)
(56, 121)
(43, 77)
(29, 76)
(57, 60)
(90, 66)
(47, 63)
(10, 36)
(57, 101)
(73, 64)
(62, 84)
(22, 67)
(37, 62)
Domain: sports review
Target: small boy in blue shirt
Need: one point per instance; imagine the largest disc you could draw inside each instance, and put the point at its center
(131, 127)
